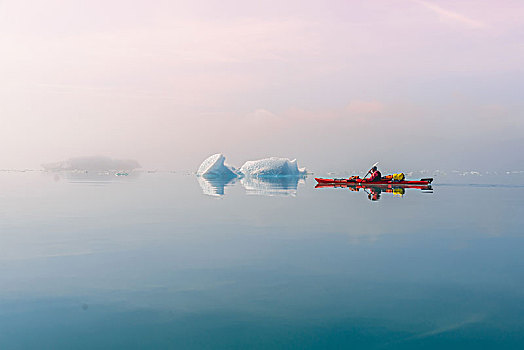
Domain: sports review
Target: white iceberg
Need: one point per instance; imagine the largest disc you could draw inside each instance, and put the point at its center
(272, 167)
(214, 167)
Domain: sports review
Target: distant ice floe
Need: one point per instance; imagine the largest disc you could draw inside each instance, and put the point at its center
(94, 177)
(270, 176)
(94, 163)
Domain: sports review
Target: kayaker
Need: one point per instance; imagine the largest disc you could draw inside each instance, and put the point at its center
(375, 175)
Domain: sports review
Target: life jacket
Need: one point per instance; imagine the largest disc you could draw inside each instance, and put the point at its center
(376, 176)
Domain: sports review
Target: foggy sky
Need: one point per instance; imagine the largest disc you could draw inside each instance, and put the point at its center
(341, 84)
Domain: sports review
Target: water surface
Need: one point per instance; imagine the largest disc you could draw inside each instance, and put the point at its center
(160, 261)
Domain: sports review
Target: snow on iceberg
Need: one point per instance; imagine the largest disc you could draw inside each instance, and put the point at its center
(214, 167)
(272, 167)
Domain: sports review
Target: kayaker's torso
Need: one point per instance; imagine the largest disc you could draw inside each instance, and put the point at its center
(376, 176)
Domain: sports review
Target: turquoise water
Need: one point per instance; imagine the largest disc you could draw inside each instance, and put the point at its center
(162, 261)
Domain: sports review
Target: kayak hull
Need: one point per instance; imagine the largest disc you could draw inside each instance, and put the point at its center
(364, 185)
(406, 183)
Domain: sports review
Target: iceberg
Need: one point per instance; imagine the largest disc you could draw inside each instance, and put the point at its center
(215, 167)
(272, 167)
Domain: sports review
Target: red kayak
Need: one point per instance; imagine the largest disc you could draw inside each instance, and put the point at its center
(421, 182)
(369, 186)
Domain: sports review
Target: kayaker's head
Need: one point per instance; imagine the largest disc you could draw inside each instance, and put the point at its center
(374, 168)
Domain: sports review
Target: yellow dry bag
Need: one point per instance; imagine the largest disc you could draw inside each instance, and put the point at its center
(398, 177)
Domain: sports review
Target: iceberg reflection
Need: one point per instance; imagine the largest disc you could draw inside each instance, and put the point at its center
(272, 186)
(214, 186)
(265, 186)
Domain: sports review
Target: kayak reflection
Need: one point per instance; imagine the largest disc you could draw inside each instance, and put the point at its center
(374, 191)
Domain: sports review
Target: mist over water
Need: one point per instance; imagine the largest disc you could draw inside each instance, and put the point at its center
(170, 83)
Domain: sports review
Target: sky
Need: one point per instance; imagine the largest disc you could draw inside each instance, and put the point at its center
(414, 84)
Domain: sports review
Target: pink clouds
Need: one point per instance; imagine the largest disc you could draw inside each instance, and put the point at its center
(358, 107)
(450, 15)
(357, 111)
(263, 119)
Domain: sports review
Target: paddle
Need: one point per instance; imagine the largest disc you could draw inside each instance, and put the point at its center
(374, 165)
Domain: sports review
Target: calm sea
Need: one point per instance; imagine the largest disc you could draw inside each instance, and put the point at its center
(167, 261)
